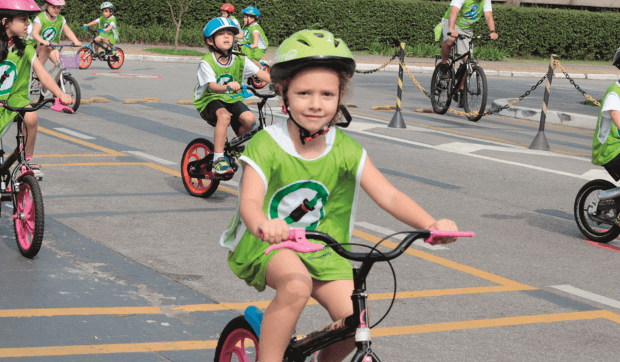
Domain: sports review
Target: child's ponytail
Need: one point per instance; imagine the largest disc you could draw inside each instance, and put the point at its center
(5, 42)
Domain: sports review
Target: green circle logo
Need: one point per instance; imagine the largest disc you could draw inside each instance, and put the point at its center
(224, 79)
(49, 34)
(300, 204)
(8, 71)
(106, 24)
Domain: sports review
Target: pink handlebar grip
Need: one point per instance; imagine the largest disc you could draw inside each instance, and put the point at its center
(59, 107)
(442, 234)
(296, 241)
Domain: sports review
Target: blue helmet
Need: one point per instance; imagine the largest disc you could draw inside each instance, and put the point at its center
(218, 24)
(251, 10)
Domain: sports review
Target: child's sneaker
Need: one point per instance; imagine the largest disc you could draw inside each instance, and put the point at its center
(221, 166)
(35, 167)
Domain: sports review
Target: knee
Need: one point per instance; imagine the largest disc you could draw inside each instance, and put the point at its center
(31, 119)
(98, 38)
(223, 117)
(296, 291)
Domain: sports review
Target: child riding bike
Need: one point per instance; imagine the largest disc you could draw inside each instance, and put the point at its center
(107, 26)
(458, 20)
(48, 27)
(606, 141)
(254, 40)
(227, 12)
(17, 60)
(220, 73)
(305, 173)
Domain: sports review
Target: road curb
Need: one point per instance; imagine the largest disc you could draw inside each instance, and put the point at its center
(390, 68)
(553, 117)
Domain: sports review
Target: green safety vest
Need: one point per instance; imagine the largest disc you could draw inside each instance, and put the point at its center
(51, 30)
(15, 86)
(469, 13)
(113, 34)
(606, 143)
(223, 75)
(248, 38)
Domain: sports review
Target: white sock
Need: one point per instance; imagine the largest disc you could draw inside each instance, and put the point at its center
(217, 155)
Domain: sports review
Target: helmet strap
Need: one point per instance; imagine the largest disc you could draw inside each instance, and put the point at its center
(304, 134)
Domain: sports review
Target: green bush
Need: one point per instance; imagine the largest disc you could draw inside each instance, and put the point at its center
(525, 31)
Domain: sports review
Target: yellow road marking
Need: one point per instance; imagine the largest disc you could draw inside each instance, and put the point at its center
(472, 134)
(377, 332)
(81, 142)
(55, 312)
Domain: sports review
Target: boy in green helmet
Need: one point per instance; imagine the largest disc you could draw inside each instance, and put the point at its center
(107, 27)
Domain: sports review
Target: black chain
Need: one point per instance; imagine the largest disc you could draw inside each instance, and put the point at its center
(520, 98)
(375, 70)
(583, 93)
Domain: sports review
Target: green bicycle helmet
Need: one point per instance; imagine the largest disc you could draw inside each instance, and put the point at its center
(311, 48)
(308, 48)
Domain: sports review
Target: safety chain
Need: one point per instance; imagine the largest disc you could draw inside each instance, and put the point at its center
(556, 63)
(462, 113)
(378, 69)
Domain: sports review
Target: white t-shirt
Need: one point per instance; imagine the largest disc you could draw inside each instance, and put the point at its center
(610, 103)
(459, 4)
(206, 74)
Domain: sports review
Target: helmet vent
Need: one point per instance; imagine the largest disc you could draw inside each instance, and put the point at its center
(303, 42)
(319, 35)
(336, 43)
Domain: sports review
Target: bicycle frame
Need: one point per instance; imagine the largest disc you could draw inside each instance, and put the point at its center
(458, 75)
(99, 44)
(19, 156)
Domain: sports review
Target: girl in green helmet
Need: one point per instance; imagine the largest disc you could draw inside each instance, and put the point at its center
(304, 173)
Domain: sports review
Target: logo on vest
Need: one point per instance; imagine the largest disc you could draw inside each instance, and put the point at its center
(473, 14)
(300, 204)
(49, 34)
(225, 79)
(8, 74)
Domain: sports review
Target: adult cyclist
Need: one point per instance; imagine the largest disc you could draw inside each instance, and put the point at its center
(459, 19)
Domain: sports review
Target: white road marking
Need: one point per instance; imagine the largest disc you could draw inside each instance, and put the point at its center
(588, 295)
(597, 174)
(384, 231)
(152, 158)
(74, 134)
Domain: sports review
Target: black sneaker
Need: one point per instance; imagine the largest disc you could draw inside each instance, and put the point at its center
(443, 72)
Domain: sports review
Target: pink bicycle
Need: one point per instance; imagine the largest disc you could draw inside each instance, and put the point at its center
(20, 186)
(240, 338)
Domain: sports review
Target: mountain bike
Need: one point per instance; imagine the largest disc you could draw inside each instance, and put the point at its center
(473, 98)
(21, 187)
(597, 206)
(239, 341)
(115, 56)
(63, 78)
(197, 161)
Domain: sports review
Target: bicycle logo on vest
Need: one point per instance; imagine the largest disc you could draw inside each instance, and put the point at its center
(225, 79)
(473, 13)
(300, 204)
(246, 34)
(49, 34)
(8, 69)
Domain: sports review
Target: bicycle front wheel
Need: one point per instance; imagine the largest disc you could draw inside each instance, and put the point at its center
(440, 91)
(29, 220)
(34, 92)
(117, 60)
(72, 88)
(86, 57)
(595, 230)
(475, 93)
(238, 342)
(195, 151)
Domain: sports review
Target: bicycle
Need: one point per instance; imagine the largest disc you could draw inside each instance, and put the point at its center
(253, 80)
(21, 187)
(239, 340)
(474, 96)
(197, 161)
(59, 72)
(115, 56)
(596, 208)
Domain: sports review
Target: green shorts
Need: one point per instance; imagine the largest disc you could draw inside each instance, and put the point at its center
(254, 54)
(249, 262)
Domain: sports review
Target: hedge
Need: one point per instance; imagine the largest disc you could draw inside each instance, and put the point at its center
(525, 31)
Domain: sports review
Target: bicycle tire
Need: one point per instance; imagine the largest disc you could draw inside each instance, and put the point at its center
(117, 60)
(582, 201)
(76, 94)
(86, 58)
(441, 95)
(239, 339)
(196, 150)
(257, 83)
(29, 231)
(476, 92)
(34, 91)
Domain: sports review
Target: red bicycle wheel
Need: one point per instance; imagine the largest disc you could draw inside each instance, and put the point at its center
(86, 58)
(116, 61)
(195, 151)
(257, 83)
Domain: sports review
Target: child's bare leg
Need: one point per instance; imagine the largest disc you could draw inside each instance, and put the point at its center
(54, 56)
(43, 53)
(107, 42)
(246, 119)
(98, 40)
(221, 130)
(289, 277)
(335, 296)
(31, 122)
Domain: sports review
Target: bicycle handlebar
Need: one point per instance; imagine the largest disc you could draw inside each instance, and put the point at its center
(483, 37)
(58, 106)
(298, 242)
(246, 94)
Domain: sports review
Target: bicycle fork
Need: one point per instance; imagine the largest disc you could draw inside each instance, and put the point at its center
(362, 335)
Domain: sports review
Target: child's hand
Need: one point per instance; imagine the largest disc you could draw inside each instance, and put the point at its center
(445, 225)
(234, 86)
(274, 231)
(84, 26)
(46, 43)
(66, 99)
(78, 43)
